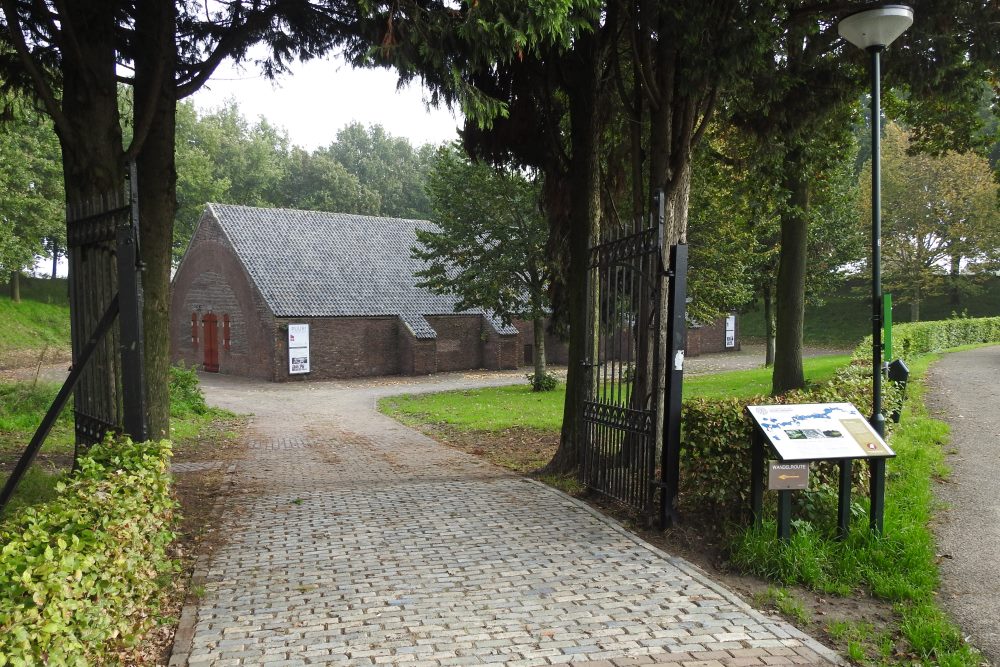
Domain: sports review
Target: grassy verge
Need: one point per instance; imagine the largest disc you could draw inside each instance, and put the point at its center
(496, 409)
(899, 566)
(38, 324)
(23, 405)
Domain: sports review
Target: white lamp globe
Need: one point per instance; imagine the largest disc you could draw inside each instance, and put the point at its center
(877, 27)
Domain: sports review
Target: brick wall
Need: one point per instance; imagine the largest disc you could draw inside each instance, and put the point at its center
(500, 351)
(342, 347)
(459, 342)
(556, 350)
(212, 279)
(710, 338)
(417, 356)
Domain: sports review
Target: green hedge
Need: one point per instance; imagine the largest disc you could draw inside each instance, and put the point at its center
(79, 575)
(915, 338)
(715, 449)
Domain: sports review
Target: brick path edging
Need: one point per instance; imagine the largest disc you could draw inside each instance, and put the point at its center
(696, 573)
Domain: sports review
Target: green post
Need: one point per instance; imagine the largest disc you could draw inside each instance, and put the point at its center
(887, 325)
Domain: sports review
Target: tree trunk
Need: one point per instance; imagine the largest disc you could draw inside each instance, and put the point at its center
(55, 258)
(915, 304)
(539, 331)
(583, 224)
(15, 286)
(156, 98)
(769, 325)
(790, 288)
(954, 281)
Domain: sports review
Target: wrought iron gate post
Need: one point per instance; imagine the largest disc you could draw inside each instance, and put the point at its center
(621, 429)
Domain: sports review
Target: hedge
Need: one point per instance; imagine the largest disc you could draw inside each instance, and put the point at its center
(716, 450)
(915, 338)
(79, 575)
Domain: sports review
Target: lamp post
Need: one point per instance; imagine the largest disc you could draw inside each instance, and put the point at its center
(872, 30)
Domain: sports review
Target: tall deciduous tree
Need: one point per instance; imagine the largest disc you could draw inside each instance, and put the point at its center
(388, 165)
(940, 217)
(489, 249)
(31, 215)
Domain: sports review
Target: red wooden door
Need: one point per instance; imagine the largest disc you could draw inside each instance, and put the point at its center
(211, 324)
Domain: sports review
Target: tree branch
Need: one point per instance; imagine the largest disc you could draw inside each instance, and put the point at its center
(42, 87)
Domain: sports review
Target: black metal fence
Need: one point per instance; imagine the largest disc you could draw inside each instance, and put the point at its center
(621, 426)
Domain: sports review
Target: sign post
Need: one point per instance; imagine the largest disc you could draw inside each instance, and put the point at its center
(799, 434)
(298, 349)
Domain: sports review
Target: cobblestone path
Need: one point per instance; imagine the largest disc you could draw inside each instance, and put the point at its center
(357, 541)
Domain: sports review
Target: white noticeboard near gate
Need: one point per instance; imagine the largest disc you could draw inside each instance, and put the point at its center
(731, 331)
(298, 348)
(818, 431)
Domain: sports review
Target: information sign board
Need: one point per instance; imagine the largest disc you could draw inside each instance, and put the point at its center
(818, 431)
(731, 331)
(783, 476)
(298, 348)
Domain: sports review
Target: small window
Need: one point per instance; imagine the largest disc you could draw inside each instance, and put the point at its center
(194, 329)
(225, 331)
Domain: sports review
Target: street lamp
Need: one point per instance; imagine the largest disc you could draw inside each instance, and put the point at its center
(872, 30)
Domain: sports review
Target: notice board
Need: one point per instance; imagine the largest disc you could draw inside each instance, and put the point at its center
(818, 431)
(298, 348)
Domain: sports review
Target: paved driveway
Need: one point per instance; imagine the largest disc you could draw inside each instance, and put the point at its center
(353, 540)
(965, 393)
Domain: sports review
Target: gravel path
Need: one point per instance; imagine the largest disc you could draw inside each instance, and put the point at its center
(964, 393)
(353, 540)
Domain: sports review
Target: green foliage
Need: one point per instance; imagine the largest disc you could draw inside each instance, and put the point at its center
(899, 565)
(913, 339)
(489, 248)
(31, 206)
(940, 218)
(222, 157)
(186, 396)
(542, 381)
(715, 448)
(78, 576)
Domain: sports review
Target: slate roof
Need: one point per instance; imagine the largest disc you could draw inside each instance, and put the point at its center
(315, 264)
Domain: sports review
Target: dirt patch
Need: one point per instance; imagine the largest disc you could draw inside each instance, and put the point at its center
(699, 539)
(522, 450)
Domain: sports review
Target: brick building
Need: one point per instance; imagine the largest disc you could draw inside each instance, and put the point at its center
(252, 274)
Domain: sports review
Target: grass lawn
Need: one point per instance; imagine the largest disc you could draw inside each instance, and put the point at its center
(516, 406)
(39, 322)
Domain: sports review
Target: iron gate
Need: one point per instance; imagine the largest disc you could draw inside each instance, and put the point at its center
(622, 410)
(105, 286)
(632, 410)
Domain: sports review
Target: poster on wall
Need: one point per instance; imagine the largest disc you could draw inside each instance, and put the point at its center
(731, 331)
(815, 431)
(298, 348)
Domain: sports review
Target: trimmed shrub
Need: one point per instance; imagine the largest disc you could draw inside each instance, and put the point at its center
(79, 575)
(542, 381)
(915, 338)
(716, 450)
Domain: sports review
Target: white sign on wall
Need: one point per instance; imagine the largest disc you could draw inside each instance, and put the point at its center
(731, 331)
(298, 348)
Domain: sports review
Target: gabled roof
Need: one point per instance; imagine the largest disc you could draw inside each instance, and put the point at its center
(315, 264)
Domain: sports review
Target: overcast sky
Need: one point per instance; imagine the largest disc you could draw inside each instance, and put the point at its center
(321, 96)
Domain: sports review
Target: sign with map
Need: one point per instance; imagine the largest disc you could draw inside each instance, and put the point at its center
(815, 431)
